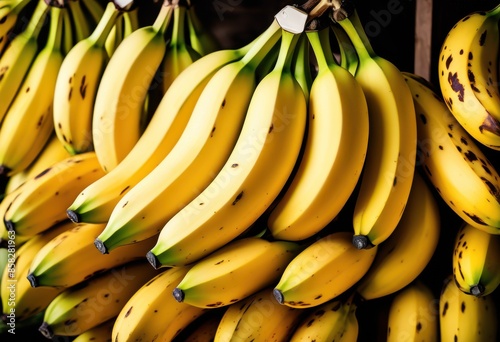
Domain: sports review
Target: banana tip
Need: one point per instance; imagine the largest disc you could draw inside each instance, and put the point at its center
(9, 225)
(361, 242)
(100, 246)
(73, 216)
(477, 290)
(278, 296)
(178, 295)
(32, 279)
(153, 260)
(46, 330)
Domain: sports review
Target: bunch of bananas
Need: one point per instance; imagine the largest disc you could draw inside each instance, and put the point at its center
(160, 188)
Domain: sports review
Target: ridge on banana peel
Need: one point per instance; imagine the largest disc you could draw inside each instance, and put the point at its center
(392, 144)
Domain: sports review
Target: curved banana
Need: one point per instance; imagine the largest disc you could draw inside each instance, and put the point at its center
(123, 87)
(395, 265)
(77, 83)
(43, 198)
(199, 153)
(18, 56)
(248, 264)
(94, 301)
(325, 269)
(392, 144)
(444, 147)
(152, 313)
(99, 333)
(253, 175)
(468, 78)
(463, 317)
(258, 318)
(28, 301)
(334, 153)
(10, 13)
(329, 321)
(476, 261)
(413, 315)
(70, 257)
(28, 123)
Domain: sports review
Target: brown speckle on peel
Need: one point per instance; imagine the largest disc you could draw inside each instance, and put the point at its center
(212, 132)
(271, 128)
(448, 61)
(490, 124)
(83, 87)
(128, 311)
(456, 86)
(475, 218)
(238, 197)
(125, 189)
(445, 309)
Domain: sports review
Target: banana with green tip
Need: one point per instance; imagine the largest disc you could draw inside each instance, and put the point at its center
(42, 199)
(152, 313)
(444, 147)
(334, 153)
(348, 56)
(234, 272)
(28, 124)
(413, 315)
(123, 87)
(476, 261)
(99, 333)
(18, 56)
(392, 145)
(463, 317)
(201, 39)
(94, 301)
(468, 77)
(395, 265)
(323, 270)
(94, 9)
(329, 321)
(10, 13)
(82, 24)
(198, 155)
(70, 257)
(258, 318)
(96, 202)
(77, 83)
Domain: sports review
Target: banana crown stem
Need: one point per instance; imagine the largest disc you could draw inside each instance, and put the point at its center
(105, 25)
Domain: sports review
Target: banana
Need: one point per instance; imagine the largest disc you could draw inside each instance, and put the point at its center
(99, 333)
(77, 83)
(152, 313)
(234, 272)
(199, 153)
(258, 318)
(201, 39)
(94, 9)
(328, 322)
(302, 66)
(395, 265)
(28, 123)
(43, 198)
(10, 15)
(463, 317)
(444, 147)
(123, 86)
(325, 269)
(476, 261)
(390, 161)
(253, 175)
(334, 152)
(19, 55)
(70, 258)
(97, 201)
(468, 77)
(94, 301)
(17, 293)
(413, 315)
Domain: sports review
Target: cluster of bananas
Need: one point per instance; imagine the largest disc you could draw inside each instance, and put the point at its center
(126, 218)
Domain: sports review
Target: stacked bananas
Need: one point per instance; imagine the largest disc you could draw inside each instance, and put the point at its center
(170, 190)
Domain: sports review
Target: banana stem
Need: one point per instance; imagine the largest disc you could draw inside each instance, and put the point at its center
(348, 55)
(37, 20)
(495, 12)
(355, 31)
(322, 49)
(262, 45)
(54, 40)
(288, 42)
(105, 25)
(164, 17)
(178, 37)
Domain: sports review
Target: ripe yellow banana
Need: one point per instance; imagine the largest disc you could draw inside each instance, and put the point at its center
(258, 318)
(413, 315)
(123, 87)
(463, 317)
(70, 257)
(395, 265)
(18, 56)
(334, 153)
(99, 333)
(329, 321)
(16, 292)
(10, 13)
(43, 198)
(444, 147)
(200, 152)
(325, 269)
(94, 301)
(152, 313)
(28, 123)
(77, 83)
(476, 261)
(252, 176)
(468, 77)
(390, 160)
(234, 272)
